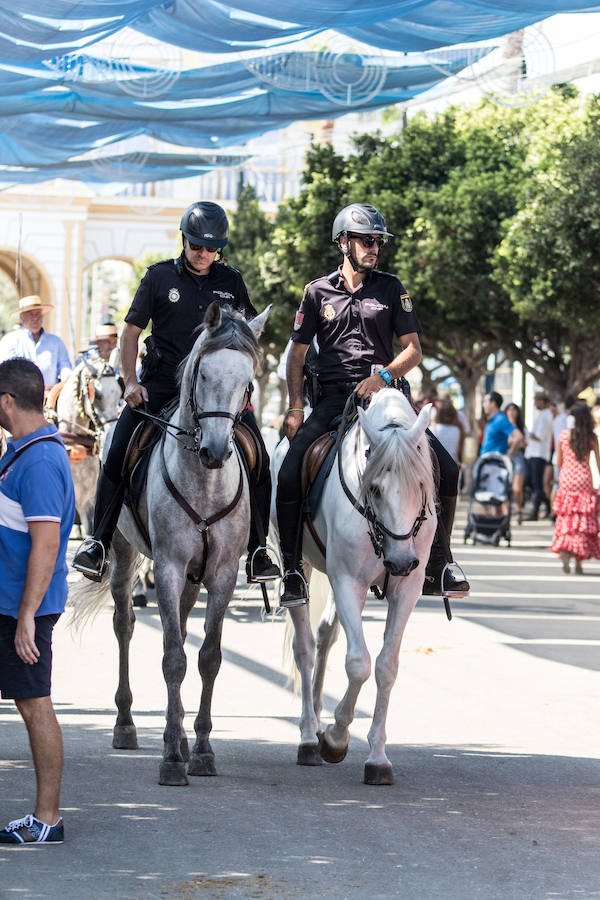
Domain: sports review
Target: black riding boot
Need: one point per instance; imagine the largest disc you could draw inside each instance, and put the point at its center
(439, 578)
(289, 520)
(259, 565)
(91, 558)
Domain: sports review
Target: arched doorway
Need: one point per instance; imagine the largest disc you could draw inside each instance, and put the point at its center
(108, 286)
(20, 276)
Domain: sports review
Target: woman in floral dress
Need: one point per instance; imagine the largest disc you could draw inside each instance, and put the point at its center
(576, 502)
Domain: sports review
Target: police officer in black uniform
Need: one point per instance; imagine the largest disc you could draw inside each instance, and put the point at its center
(354, 313)
(174, 294)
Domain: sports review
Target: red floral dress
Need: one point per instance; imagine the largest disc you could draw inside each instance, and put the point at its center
(575, 506)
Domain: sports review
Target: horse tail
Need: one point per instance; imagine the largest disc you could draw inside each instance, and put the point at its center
(319, 591)
(86, 599)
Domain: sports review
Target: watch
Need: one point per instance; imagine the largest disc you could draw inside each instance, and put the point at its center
(386, 375)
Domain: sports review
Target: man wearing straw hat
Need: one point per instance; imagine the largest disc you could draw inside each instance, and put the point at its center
(105, 341)
(32, 342)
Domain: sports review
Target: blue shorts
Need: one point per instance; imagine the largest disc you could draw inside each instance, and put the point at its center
(518, 462)
(20, 680)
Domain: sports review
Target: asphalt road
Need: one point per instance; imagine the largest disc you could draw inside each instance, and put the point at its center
(493, 732)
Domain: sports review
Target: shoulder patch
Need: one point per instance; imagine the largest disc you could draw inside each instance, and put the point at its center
(407, 304)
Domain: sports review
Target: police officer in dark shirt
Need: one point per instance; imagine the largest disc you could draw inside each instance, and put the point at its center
(174, 295)
(354, 313)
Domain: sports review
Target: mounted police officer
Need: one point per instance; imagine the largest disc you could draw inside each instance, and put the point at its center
(174, 294)
(354, 314)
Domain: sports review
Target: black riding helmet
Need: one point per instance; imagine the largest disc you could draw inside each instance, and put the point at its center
(205, 223)
(359, 218)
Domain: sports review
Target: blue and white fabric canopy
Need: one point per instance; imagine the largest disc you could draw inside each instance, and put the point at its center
(63, 99)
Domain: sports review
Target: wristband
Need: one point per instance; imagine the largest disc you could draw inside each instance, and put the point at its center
(295, 409)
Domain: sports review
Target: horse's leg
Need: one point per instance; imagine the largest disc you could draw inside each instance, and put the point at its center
(170, 584)
(401, 601)
(186, 604)
(327, 634)
(349, 601)
(304, 656)
(220, 590)
(121, 575)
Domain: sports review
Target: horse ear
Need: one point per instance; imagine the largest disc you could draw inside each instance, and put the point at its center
(212, 316)
(418, 429)
(258, 323)
(364, 424)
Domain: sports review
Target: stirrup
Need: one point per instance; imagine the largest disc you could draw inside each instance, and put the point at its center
(93, 574)
(453, 595)
(297, 601)
(252, 577)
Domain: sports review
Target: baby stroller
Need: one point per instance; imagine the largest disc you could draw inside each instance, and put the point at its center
(487, 521)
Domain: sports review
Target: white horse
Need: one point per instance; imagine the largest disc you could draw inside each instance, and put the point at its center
(376, 522)
(196, 511)
(86, 407)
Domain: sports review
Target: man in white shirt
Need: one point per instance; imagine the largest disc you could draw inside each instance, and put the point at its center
(30, 341)
(538, 452)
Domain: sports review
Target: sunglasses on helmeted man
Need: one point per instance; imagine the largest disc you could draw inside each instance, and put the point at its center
(368, 241)
(197, 247)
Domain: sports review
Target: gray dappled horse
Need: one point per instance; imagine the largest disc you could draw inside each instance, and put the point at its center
(86, 407)
(196, 510)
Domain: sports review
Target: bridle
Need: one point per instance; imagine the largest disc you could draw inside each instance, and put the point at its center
(88, 394)
(377, 530)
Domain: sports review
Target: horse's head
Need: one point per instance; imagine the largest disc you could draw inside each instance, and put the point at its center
(397, 487)
(100, 393)
(217, 379)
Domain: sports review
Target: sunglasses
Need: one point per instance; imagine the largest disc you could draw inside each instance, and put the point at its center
(10, 394)
(368, 240)
(197, 247)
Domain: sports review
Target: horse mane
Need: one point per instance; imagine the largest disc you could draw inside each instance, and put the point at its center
(398, 454)
(233, 333)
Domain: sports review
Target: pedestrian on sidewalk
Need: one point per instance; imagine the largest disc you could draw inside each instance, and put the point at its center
(576, 502)
(538, 453)
(37, 509)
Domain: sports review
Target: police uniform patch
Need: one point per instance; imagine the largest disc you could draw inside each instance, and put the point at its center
(328, 312)
(406, 302)
(298, 321)
(173, 295)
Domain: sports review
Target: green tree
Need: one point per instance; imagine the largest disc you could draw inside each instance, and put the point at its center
(549, 261)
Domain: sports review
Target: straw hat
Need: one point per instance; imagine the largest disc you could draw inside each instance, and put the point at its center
(106, 331)
(30, 304)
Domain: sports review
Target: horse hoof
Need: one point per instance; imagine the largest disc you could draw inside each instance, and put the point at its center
(125, 737)
(308, 755)
(202, 764)
(331, 754)
(140, 600)
(375, 774)
(172, 774)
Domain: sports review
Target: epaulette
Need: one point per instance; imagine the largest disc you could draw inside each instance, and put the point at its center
(225, 265)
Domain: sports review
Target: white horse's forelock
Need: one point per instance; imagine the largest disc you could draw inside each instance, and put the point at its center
(397, 453)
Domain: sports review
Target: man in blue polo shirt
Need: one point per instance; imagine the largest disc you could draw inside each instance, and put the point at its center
(498, 428)
(37, 509)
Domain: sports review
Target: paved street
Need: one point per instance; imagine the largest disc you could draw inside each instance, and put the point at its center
(493, 732)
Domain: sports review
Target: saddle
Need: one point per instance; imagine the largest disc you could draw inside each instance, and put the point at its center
(77, 445)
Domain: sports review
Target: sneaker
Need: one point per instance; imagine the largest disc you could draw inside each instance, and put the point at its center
(452, 587)
(31, 831)
(90, 559)
(295, 589)
(260, 567)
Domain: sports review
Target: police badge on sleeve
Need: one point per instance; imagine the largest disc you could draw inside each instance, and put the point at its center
(406, 302)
